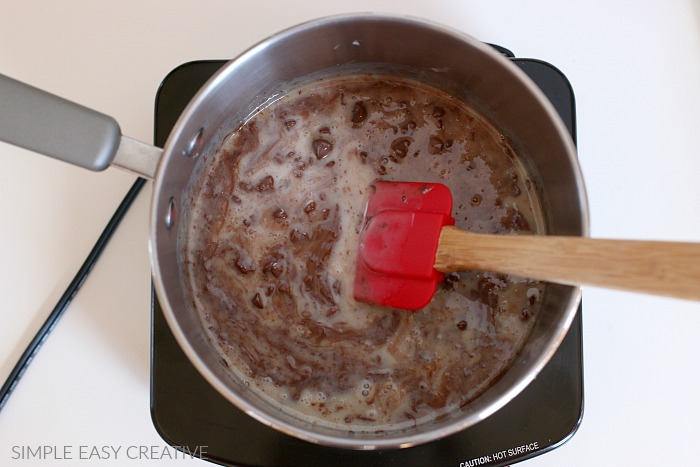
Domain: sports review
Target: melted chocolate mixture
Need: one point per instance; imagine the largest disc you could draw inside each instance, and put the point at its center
(270, 253)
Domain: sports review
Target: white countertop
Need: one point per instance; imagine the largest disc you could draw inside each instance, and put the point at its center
(634, 66)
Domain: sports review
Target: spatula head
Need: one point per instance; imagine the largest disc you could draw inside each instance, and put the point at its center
(398, 242)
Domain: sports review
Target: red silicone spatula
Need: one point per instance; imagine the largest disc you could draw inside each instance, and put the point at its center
(409, 241)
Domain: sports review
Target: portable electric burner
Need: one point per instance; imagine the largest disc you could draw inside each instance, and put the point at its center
(189, 413)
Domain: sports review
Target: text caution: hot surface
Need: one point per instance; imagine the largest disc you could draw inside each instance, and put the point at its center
(501, 456)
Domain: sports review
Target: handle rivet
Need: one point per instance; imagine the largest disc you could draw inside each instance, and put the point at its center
(170, 213)
(195, 146)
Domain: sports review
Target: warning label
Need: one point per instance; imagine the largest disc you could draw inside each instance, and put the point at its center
(501, 455)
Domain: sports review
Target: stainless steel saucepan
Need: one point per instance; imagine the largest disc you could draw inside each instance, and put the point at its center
(437, 55)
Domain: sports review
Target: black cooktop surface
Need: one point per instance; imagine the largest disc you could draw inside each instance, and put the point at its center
(188, 413)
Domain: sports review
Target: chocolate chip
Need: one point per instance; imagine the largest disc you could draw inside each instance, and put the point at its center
(279, 213)
(462, 325)
(476, 200)
(400, 146)
(359, 113)
(257, 301)
(450, 280)
(276, 268)
(289, 124)
(438, 112)
(309, 208)
(321, 148)
(266, 184)
(299, 167)
(245, 263)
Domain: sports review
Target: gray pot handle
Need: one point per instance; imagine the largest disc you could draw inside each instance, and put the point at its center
(41, 122)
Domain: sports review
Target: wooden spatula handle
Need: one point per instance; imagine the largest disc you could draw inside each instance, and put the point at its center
(660, 268)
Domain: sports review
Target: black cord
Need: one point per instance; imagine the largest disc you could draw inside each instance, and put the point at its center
(68, 295)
